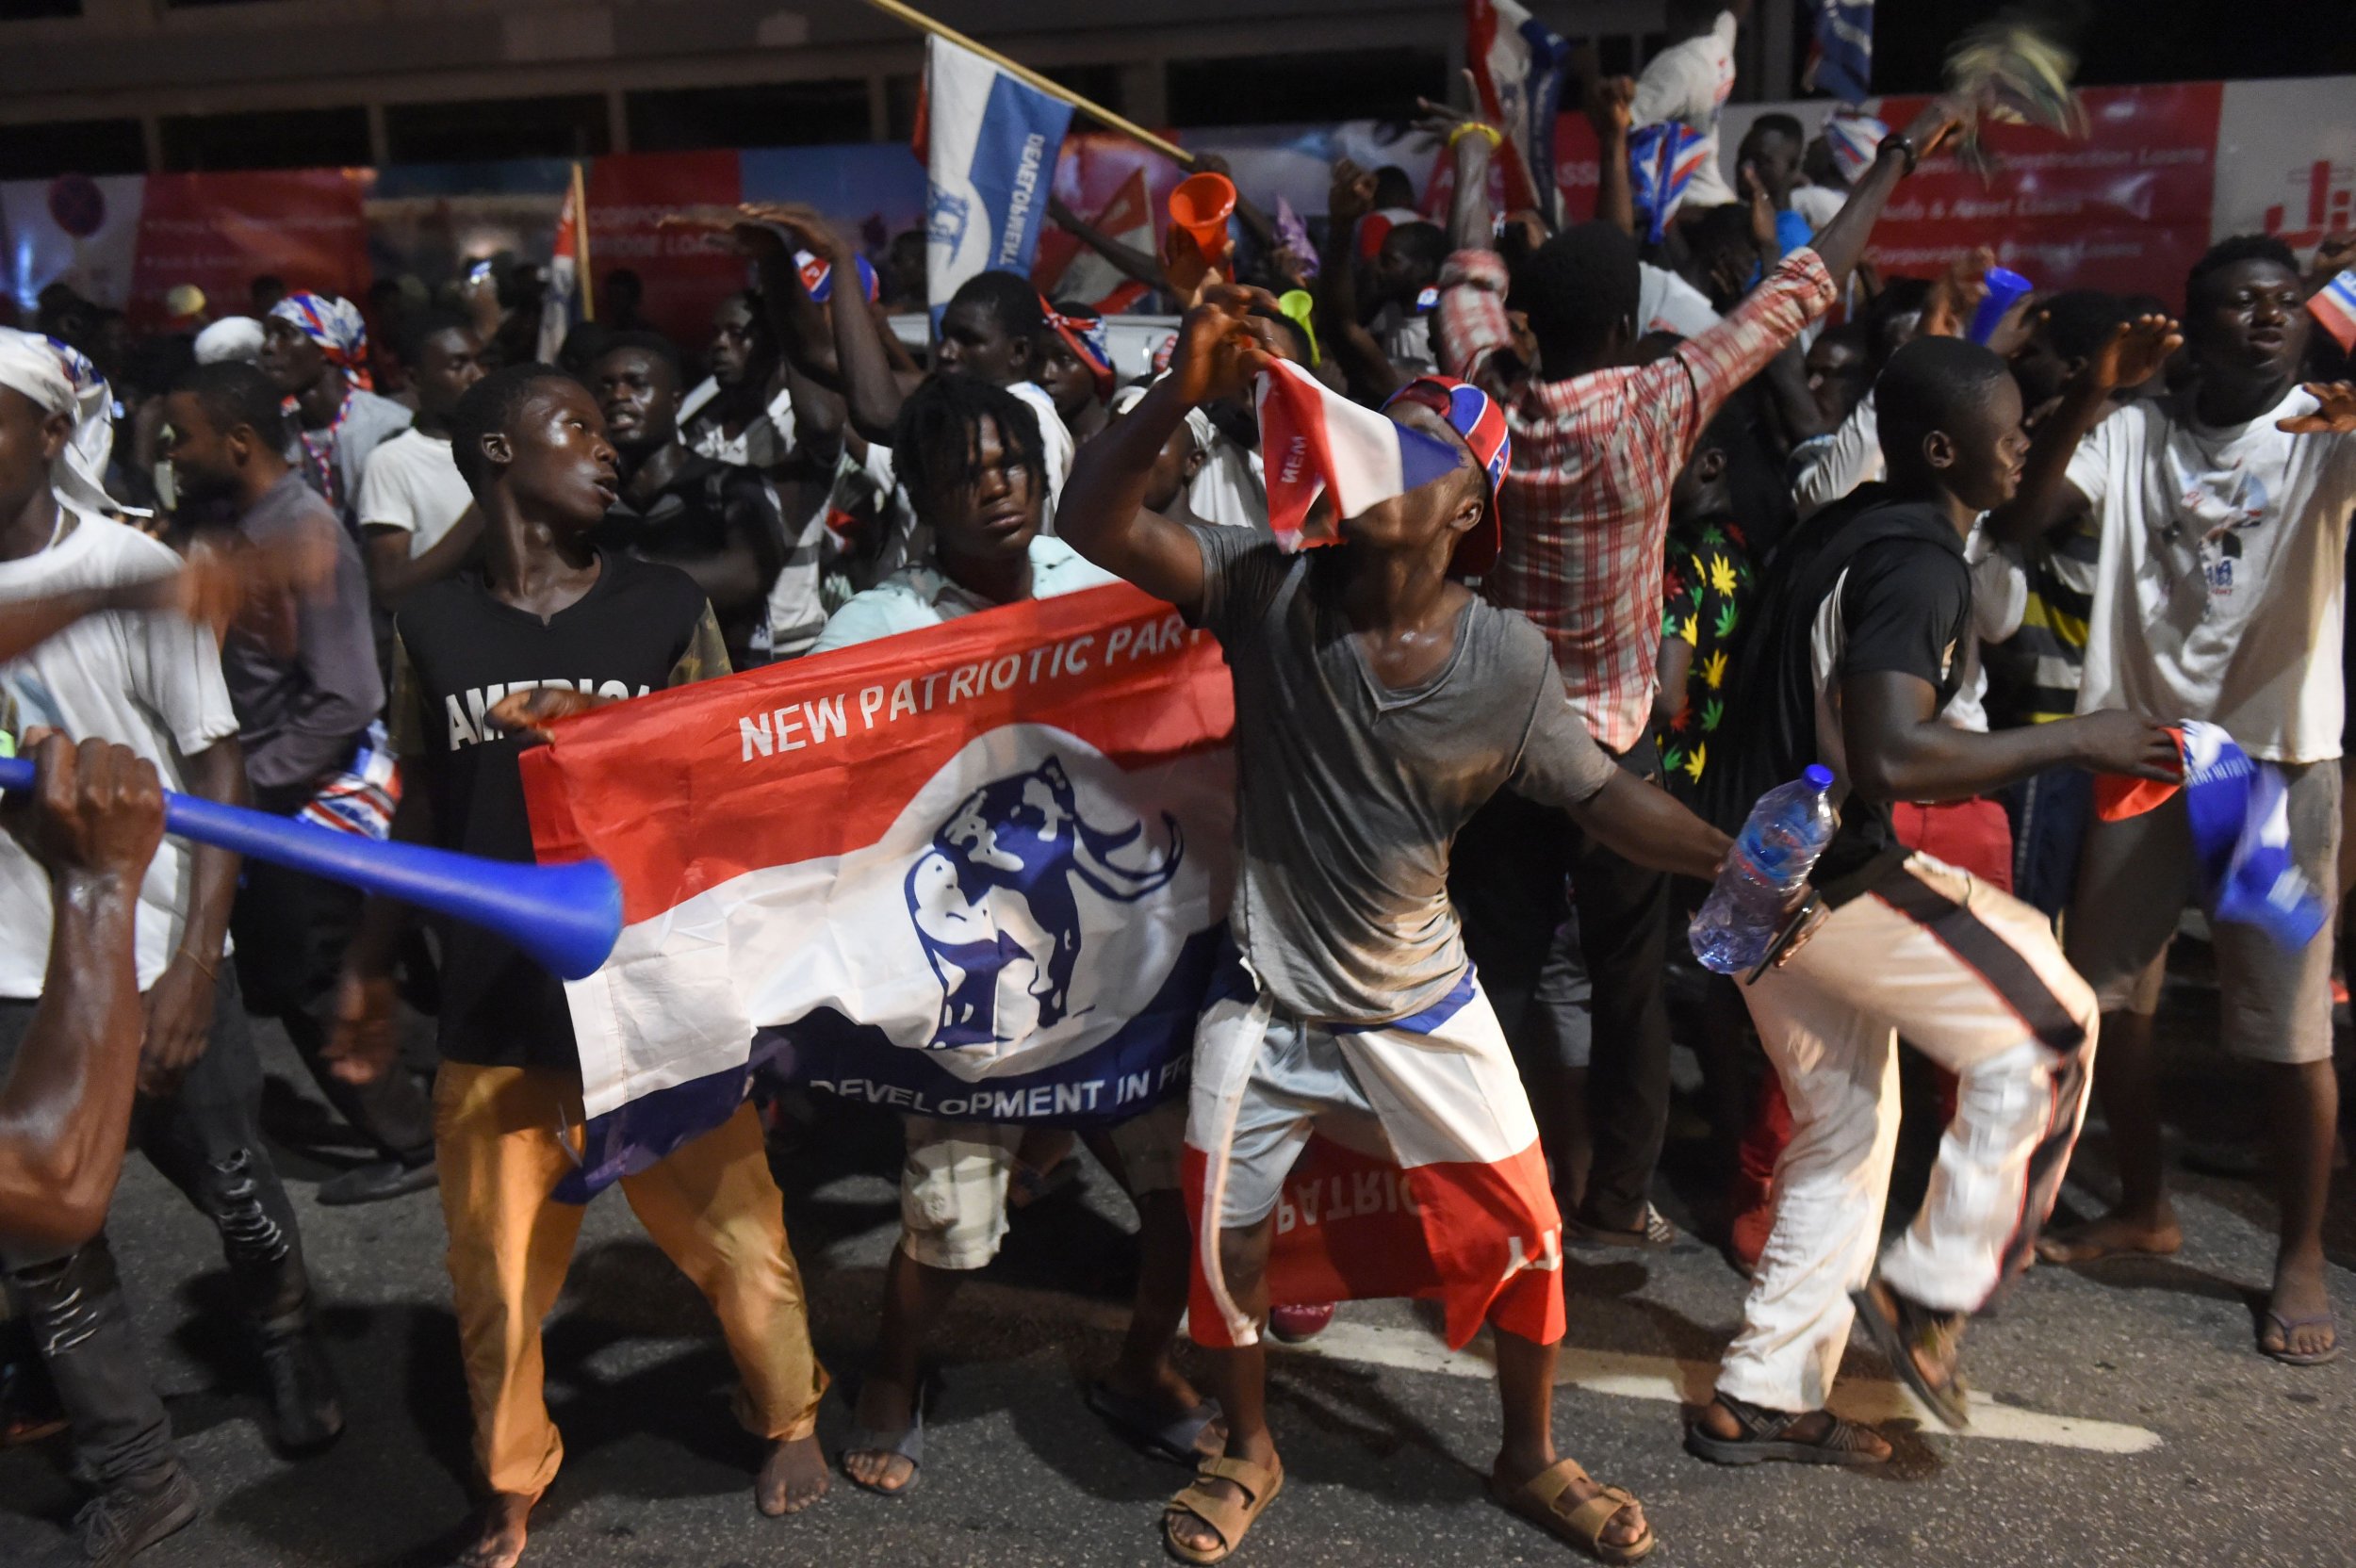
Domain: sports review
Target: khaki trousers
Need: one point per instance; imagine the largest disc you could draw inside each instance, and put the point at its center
(505, 1136)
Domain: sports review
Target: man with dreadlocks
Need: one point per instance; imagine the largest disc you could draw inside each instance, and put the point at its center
(315, 350)
(970, 456)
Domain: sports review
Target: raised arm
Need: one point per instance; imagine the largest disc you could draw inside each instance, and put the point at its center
(1610, 105)
(1842, 242)
(1363, 364)
(93, 821)
(1127, 259)
(1104, 514)
(804, 338)
(2131, 355)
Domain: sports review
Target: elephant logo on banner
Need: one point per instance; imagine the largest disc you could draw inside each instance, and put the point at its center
(996, 900)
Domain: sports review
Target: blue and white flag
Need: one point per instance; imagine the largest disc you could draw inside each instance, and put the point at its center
(1841, 57)
(989, 140)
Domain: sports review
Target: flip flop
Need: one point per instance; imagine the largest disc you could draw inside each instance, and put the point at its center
(1147, 1431)
(908, 1444)
(2287, 1326)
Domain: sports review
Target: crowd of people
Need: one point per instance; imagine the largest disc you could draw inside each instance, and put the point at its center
(1725, 505)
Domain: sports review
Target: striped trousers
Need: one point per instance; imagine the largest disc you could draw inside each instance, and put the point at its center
(1973, 978)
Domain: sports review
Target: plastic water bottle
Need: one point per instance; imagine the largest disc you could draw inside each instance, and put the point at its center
(1771, 857)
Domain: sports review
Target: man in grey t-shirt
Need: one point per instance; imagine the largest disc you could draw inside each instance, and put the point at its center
(1378, 704)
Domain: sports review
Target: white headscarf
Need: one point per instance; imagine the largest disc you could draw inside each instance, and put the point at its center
(60, 379)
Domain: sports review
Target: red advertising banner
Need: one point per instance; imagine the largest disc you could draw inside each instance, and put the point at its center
(687, 271)
(2127, 208)
(220, 230)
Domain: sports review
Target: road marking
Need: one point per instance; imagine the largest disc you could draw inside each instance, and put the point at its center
(1663, 1378)
(1869, 1400)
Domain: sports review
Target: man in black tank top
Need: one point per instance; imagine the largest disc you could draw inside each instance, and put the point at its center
(1857, 654)
(553, 625)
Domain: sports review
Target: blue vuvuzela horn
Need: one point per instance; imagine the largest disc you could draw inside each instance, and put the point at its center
(566, 916)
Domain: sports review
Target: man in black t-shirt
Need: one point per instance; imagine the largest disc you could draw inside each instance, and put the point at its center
(716, 521)
(1856, 658)
(551, 624)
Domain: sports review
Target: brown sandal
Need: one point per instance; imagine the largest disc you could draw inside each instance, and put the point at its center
(1540, 1501)
(1228, 1517)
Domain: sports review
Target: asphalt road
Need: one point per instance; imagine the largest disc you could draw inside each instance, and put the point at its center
(2130, 1421)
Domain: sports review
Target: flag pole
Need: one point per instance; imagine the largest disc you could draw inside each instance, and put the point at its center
(580, 245)
(1095, 111)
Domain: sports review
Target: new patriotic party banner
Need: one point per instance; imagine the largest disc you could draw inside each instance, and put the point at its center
(979, 871)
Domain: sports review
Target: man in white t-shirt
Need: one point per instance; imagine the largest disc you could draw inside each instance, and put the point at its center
(2223, 512)
(151, 682)
(1690, 81)
(970, 459)
(411, 497)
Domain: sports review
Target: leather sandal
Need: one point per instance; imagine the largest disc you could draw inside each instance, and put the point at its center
(1542, 1500)
(1229, 1518)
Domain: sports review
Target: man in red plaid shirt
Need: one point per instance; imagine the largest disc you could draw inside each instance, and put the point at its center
(1597, 442)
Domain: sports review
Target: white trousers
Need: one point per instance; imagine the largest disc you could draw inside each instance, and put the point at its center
(1973, 979)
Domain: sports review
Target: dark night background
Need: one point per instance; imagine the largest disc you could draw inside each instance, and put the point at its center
(2133, 41)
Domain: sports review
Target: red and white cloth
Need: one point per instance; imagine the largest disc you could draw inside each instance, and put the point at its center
(1445, 1197)
(1587, 502)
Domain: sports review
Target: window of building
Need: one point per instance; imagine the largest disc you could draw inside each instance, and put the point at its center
(1098, 83)
(570, 126)
(1365, 84)
(273, 138)
(769, 114)
(72, 147)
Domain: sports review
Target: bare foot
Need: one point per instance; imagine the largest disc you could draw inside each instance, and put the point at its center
(2153, 1233)
(1625, 1528)
(793, 1477)
(883, 1407)
(500, 1542)
(2302, 1305)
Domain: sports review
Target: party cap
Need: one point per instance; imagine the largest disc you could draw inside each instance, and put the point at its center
(818, 277)
(1472, 414)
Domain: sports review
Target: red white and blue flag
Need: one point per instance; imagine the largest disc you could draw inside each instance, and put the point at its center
(989, 140)
(1517, 66)
(567, 303)
(1314, 442)
(1662, 159)
(2239, 811)
(978, 871)
(2334, 307)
